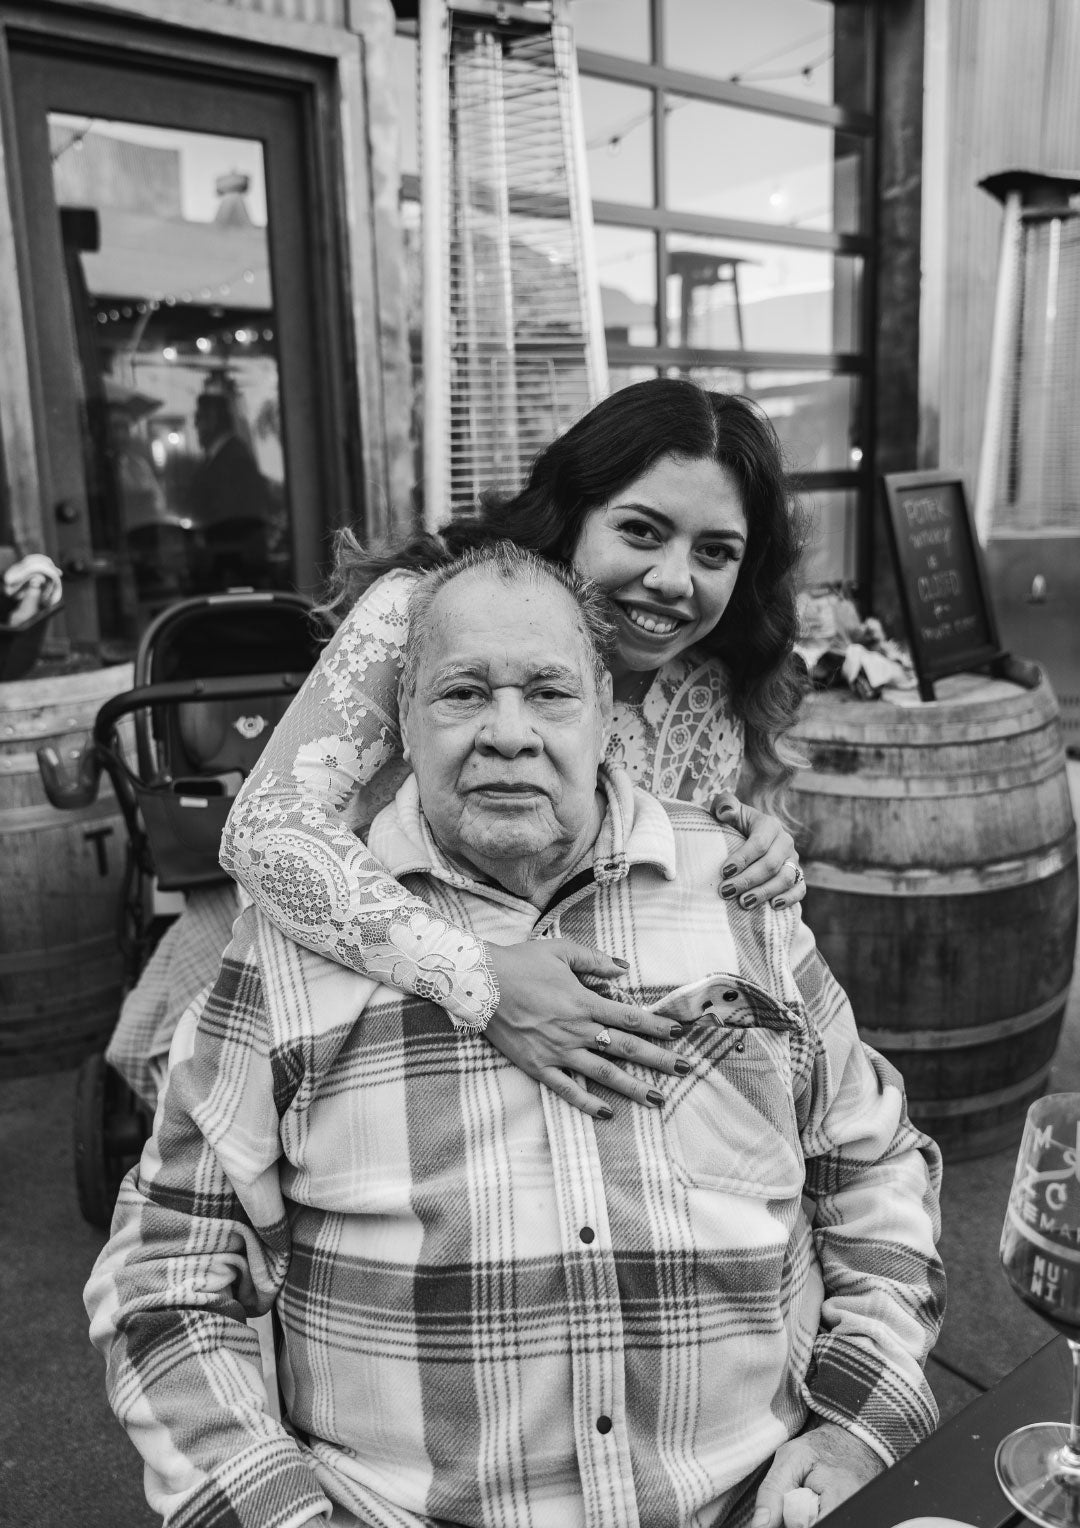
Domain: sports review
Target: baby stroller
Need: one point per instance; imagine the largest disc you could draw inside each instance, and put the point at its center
(212, 677)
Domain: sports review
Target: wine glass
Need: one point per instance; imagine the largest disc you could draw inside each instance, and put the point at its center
(1038, 1467)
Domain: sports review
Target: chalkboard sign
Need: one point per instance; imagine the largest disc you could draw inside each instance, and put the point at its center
(939, 568)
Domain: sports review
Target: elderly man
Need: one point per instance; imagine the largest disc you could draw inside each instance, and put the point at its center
(495, 1310)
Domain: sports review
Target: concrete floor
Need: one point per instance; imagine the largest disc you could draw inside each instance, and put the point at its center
(64, 1459)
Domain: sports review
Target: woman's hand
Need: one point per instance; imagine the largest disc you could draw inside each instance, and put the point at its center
(766, 868)
(547, 1022)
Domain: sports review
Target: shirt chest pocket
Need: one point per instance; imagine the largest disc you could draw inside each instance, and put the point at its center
(730, 1125)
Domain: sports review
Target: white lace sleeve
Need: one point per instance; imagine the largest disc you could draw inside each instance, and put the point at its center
(331, 763)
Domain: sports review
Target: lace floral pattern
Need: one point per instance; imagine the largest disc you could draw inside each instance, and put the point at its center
(294, 838)
(683, 740)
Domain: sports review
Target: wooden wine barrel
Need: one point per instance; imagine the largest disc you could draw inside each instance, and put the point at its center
(60, 887)
(940, 855)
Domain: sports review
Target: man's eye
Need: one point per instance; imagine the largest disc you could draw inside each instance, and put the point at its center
(551, 692)
(461, 693)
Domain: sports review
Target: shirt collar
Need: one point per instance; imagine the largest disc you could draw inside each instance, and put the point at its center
(636, 830)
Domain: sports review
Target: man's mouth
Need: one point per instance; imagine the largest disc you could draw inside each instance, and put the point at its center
(502, 788)
(650, 622)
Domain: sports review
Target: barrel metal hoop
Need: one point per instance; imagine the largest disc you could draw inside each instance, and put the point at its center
(58, 957)
(33, 819)
(971, 1034)
(911, 786)
(927, 1109)
(84, 1007)
(962, 881)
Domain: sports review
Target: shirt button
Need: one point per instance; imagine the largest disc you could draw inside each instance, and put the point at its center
(587, 1234)
(603, 1424)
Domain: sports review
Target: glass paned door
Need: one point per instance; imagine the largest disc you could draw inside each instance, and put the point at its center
(173, 321)
(171, 298)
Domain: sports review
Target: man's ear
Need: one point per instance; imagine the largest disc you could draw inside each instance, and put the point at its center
(404, 700)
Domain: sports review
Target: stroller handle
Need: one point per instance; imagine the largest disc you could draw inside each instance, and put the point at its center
(98, 752)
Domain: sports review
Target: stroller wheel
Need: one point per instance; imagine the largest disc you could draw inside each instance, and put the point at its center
(110, 1129)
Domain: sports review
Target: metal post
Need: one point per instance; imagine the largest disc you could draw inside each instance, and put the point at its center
(435, 250)
(1000, 348)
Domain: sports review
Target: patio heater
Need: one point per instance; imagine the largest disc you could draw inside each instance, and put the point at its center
(1027, 503)
(513, 340)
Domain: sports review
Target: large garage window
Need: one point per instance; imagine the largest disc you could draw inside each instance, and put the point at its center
(730, 147)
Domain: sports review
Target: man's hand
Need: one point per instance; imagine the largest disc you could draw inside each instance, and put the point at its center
(828, 1459)
(547, 1022)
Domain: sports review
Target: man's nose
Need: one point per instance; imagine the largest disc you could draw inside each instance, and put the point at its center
(507, 727)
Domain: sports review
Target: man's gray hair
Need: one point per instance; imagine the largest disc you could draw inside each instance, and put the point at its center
(511, 564)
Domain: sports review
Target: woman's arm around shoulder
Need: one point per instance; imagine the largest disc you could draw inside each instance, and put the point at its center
(330, 765)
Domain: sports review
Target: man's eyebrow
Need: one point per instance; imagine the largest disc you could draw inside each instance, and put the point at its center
(460, 670)
(479, 670)
(561, 671)
(724, 533)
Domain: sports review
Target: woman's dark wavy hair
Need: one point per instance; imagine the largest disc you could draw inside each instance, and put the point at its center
(592, 462)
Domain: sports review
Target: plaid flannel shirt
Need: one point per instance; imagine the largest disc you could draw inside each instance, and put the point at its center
(495, 1311)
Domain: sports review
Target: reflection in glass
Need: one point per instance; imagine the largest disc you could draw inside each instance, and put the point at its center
(830, 553)
(626, 265)
(618, 141)
(727, 162)
(613, 26)
(404, 64)
(168, 271)
(801, 48)
(815, 413)
(622, 376)
(730, 294)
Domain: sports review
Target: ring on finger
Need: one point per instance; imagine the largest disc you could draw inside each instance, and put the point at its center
(796, 871)
(602, 1040)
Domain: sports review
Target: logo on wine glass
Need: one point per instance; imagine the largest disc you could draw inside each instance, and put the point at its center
(1038, 1466)
(1040, 1242)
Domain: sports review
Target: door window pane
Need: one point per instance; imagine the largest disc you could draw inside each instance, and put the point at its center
(726, 294)
(618, 141)
(613, 26)
(165, 250)
(726, 162)
(800, 48)
(626, 267)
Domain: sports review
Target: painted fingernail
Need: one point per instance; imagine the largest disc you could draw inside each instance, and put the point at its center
(778, 903)
(728, 891)
(748, 901)
(683, 1068)
(605, 1113)
(676, 1032)
(731, 869)
(617, 960)
(654, 1097)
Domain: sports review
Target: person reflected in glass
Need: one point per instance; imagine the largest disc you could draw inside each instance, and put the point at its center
(229, 498)
(142, 497)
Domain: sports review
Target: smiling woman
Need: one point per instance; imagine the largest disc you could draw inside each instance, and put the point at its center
(667, 551)
(672, 501)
